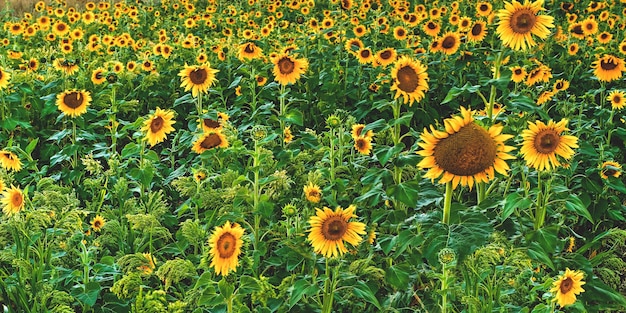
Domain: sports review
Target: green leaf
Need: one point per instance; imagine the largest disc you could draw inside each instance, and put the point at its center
(546, 237)
(294, 117)
(573, 203)
(226, 289)
(300, 288)
(130, 149)
(456, 91)
(31, 146)
(89, 294)
(616, 184)
(405, 119)
(514, 201)
(398, 275)
(536, 252)
(363, 291)
(186, 98)
(384, 153)
(60, 135)
(406, 192)
(248, 285)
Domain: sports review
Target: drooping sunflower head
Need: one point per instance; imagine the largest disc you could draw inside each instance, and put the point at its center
(249, 51)
(288, 69)
(97, 223)
(465, 152)
(617, 99)
(74, 102)
(543, 143)
(410, 80)
(567, 286)
(197, 78)
(12, 201)
(225, 243)
(312, 192)
(610, 168)
(10, 161)
(518, 22)
(158, 125)
(329, 230)
(4, 78)
(210, 140)
(608, 68)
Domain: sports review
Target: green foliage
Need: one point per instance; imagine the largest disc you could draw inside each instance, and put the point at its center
(174, 271)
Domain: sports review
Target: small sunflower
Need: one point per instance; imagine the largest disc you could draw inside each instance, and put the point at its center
(410, 80)
(150, 264)
(450, 43)
(158, 126)
(10, 161)
(363, 145)
(518, 22)
(608, 68)
(542, 143)
(73, 102)
(197, 78)
(250, 51)
(288, 69)
(12, 201)
(329, 230)
(477, 32)
(287, 135)
(465, 152)
(386, 56)
(365, 56)
(518, 74)
(312, 192)
(567, 286)
(97, 76)
(545, 96)
(617, 98)
(209, 124)
(610, 168)
(97, 223)
(210, 140)
(4, 78)
(431, 28)
(560, 85)
(225, 243)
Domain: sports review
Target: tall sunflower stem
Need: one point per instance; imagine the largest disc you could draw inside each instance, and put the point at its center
(329, 287)
(447, 204)
(496, 75)
(283, 108)
(332, 159)
(481, 192)
(113, 121)
(444, 288)
(74, 160)
(256, 196)
(199, 105)
(542, 202)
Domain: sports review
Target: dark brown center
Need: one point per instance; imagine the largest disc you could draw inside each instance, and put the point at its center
(226, 245)
(547, 141)
(198, 76)
(211, 141)
(477, 29)
(334, 228)
(523, 21)
(286, 66)
(608, 65)
(467, 152)
(156, 124)
(407, 79)
(73, 99)
(211, 123)
(566, 285)
(448, 42)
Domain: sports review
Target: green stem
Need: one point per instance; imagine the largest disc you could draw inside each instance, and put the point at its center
(444, 289)
(492, 94)
(283, 109)
(540, 213)
(113, 121)
(447, 204)
(329, 288)
(199, 105)
(481, 192)
(75, 156)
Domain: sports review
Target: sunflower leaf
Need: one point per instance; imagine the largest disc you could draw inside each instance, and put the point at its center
(363, 291)
(384, 153)
(398, 275)
(294, 117)
(456, 91)
(573, 203)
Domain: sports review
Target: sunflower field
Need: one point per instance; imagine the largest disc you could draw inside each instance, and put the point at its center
(313, 156)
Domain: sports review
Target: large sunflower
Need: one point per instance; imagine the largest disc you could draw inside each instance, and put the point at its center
(10, 161)
(608, 68)
(73, 102)
(158, 126)
(210, 140)
(288, 69)
(567, 287)
(518, 22)
(542, 143)
(225, 243)
(410, 80)
(12, 201)
(197, 78)
(465, 152)
(329, 230)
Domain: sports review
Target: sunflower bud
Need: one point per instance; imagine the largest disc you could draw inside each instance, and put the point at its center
(446, 256)
(289, 210)
(333, 121)
(258, 132)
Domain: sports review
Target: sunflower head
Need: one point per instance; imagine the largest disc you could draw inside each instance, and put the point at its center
(544, 142)
(73, 102)
(10, 161)
(608, 68)
(210, 140)
(330, 229)
(465, 152)
(610, 169)
(288, 69)
(13, 200)
(312, 192)
(617, 99)
(519, 22)
(4, 78)
(97, 223)
(225, 246)
(410, 80)
(198, 78)
(567, 286)
(158, 125)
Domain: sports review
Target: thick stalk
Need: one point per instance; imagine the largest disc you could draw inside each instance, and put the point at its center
(492, 94)
(447, 203)
(444, 289)
(540, 212)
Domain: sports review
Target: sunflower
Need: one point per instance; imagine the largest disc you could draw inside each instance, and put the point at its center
(363, 145)
(12, 201)
(158, 126)
(312, 192)
(208, 141)
(329, 230)
(431, 28)
(622, 47)
(197, 78)
(73, 102)
(250, 51)
(357, 131)
(353, 45)
(97, 76)
(483, 9)
(97, 223)
(365, 56)
(610, 168)
(10, 161)
(477, 32)
(287, 135)
(465, 152)
(560, 85)
(209, 124)
(617, 98)
(542, 143)
(288, 69)
(225, 243)
(567, 287)
(400, 33)
(589, 26)
(386, 56)
(450, 43)
(410, 80)
(605, 37)
(518, 74)
(545, 96)
(608, 68)
(60, 28)
(518, 22)
(4, 78)
(65, 66)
